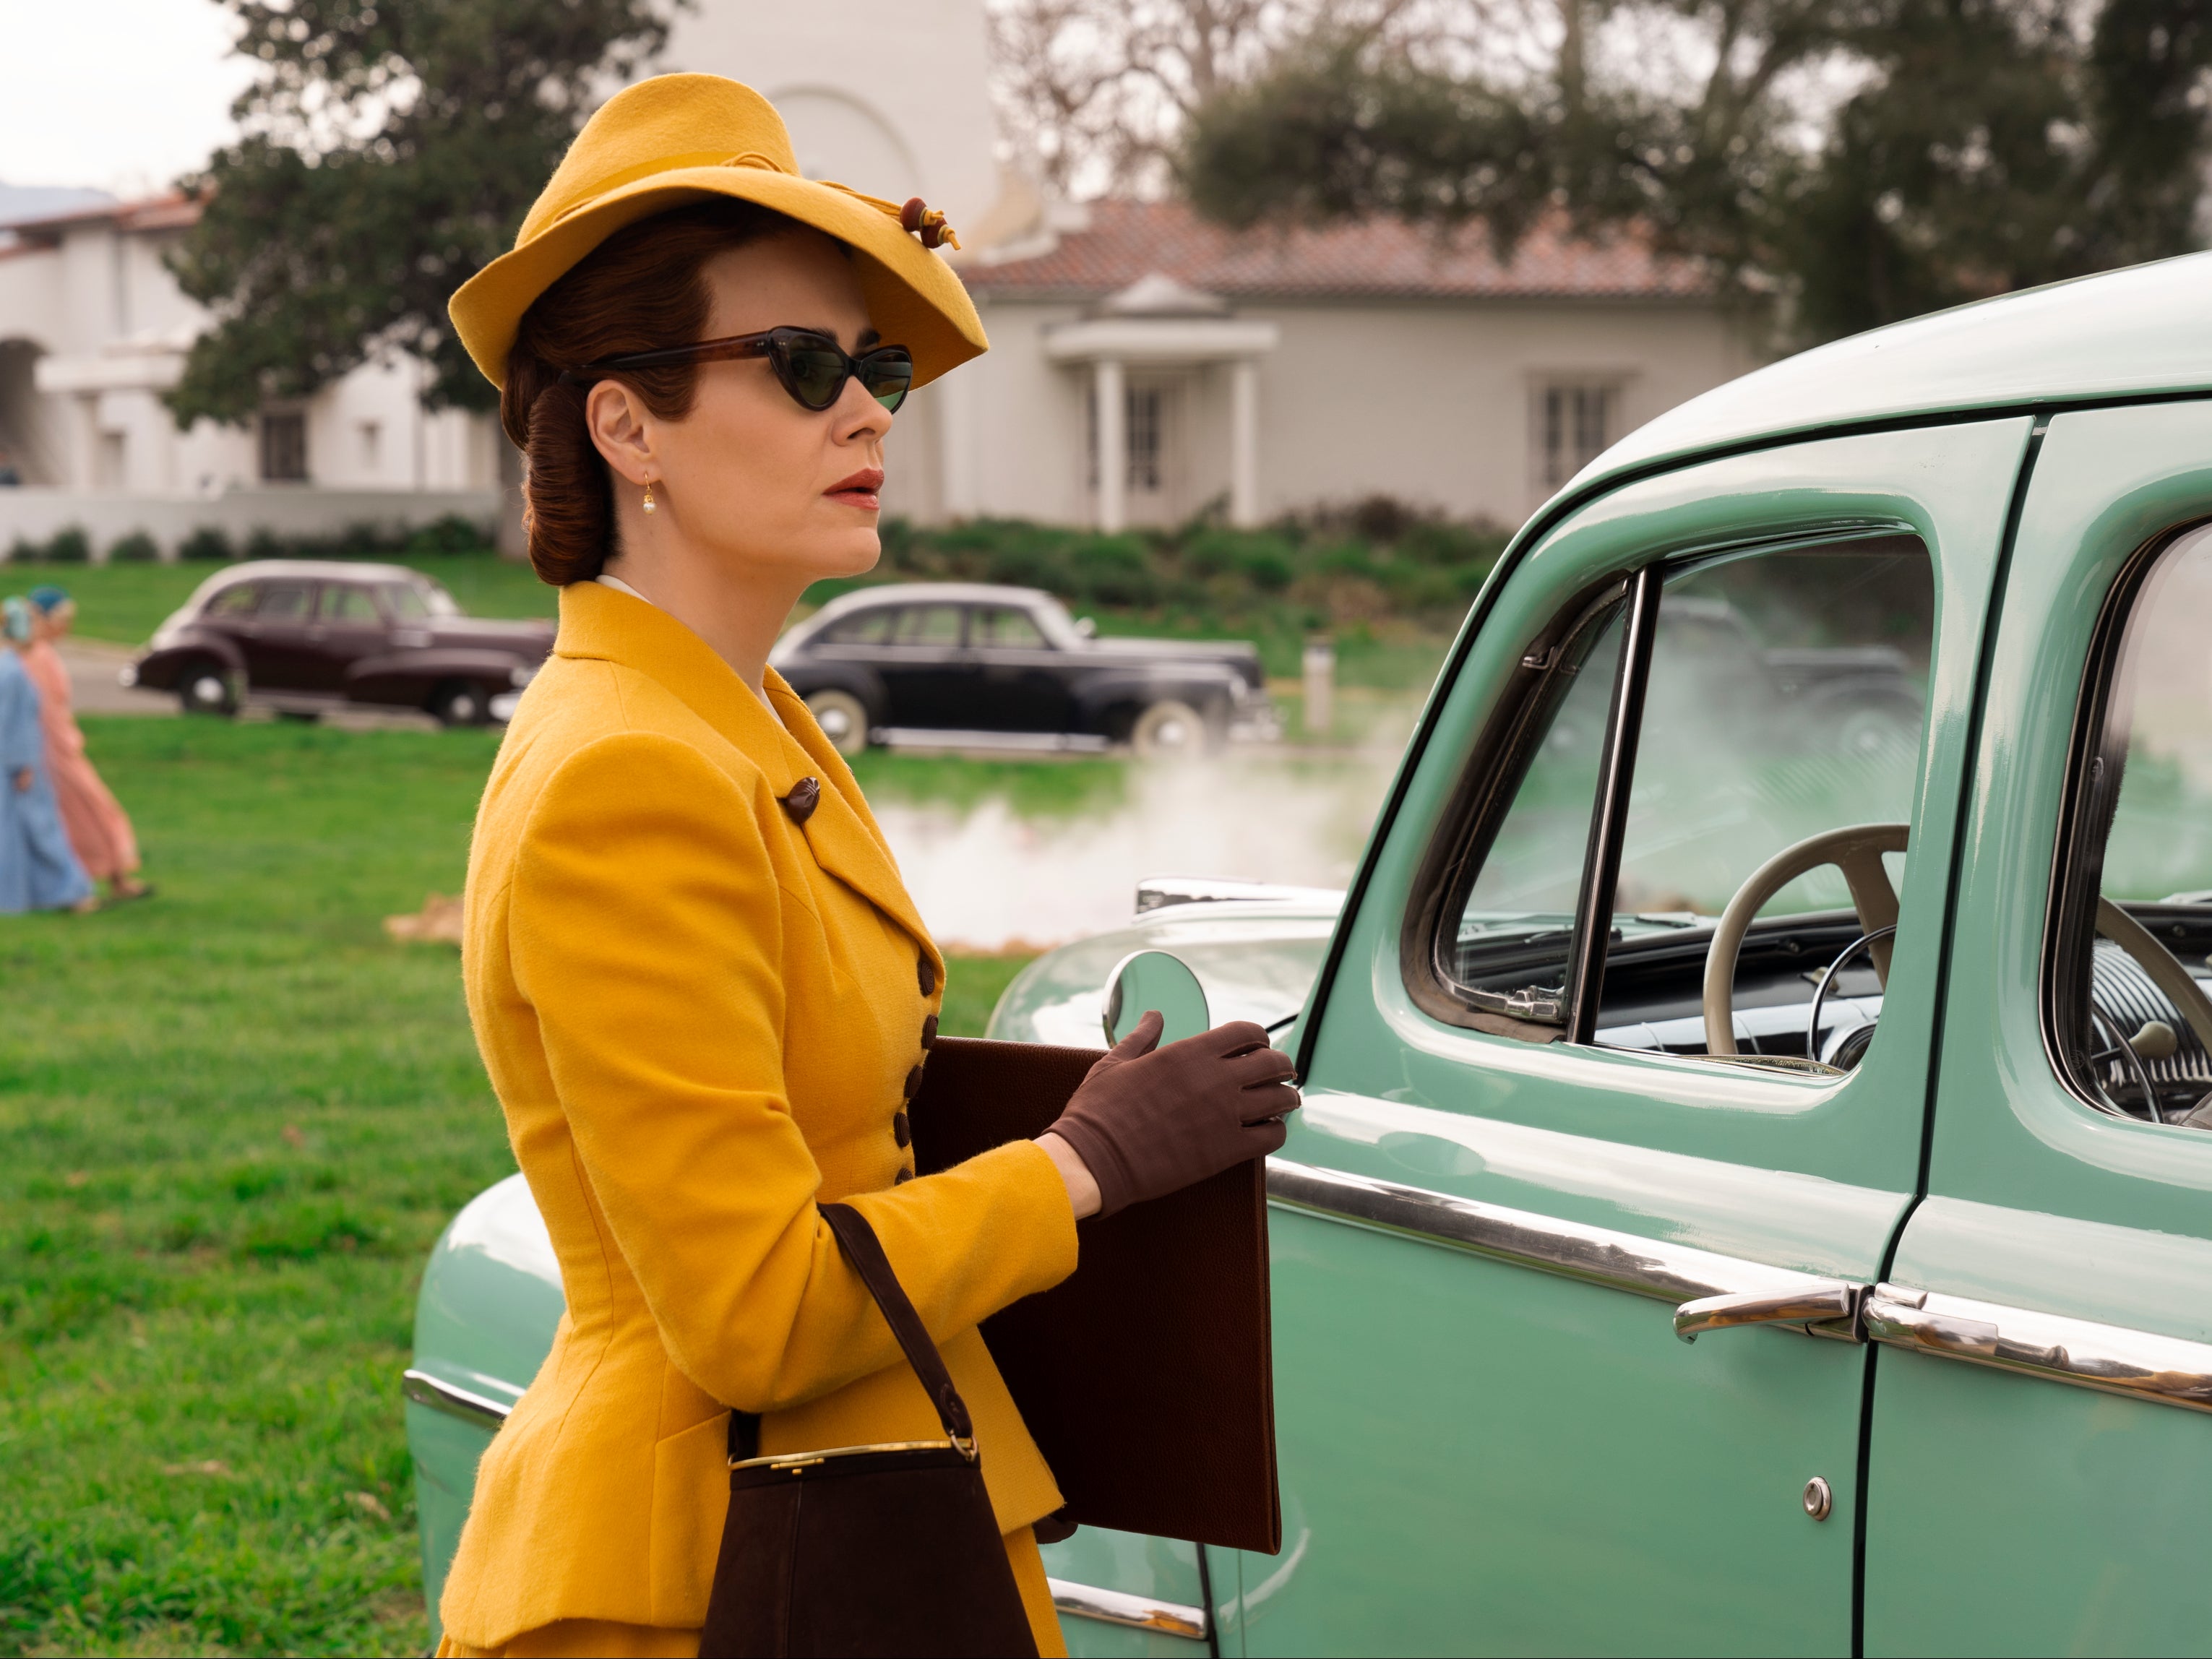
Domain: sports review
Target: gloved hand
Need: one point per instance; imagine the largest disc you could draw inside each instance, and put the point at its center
(1147, 1121)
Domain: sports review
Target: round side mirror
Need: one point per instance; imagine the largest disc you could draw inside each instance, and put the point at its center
(1153, 980)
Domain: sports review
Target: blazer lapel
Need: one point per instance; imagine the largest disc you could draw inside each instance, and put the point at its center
(846, 841)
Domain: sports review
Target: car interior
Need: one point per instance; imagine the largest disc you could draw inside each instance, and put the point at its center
(1771, 785)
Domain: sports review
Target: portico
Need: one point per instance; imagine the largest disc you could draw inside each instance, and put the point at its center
(1157, 324)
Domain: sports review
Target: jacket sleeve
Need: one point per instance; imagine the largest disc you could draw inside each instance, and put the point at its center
(646, 928)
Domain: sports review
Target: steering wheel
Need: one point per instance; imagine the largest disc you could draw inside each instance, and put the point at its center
(1857, 851)
(2178, 986)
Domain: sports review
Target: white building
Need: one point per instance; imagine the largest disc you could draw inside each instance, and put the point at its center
(1145, 365)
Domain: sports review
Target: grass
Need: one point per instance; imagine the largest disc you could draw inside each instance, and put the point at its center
(232, 1122)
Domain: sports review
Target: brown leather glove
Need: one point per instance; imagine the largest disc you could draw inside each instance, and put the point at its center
(1148, 1121)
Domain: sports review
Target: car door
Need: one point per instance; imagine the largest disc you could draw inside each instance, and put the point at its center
(2040, 1477)
(1518, 1160)
(924, 668)
(347, 627)
(281, 655)
(1019, 682)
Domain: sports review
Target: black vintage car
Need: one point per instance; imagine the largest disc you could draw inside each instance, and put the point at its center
(302, 636)
(967, 664)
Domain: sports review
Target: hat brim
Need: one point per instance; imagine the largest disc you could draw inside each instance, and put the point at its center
(913, 298)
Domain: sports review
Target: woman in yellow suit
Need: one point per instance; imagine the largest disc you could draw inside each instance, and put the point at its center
(701, 992)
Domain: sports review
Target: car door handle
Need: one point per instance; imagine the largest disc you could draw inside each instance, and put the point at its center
(1831, 1304)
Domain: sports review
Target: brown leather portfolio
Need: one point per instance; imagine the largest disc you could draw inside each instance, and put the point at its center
(1147, 1376)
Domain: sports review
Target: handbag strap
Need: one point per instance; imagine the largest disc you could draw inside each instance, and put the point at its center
(866, 1252)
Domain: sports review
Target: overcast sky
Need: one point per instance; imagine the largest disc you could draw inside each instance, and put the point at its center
(120, 95)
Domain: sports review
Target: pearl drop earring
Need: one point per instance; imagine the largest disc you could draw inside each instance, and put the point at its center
(649, 506)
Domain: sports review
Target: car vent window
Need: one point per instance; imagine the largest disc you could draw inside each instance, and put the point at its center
(1010, 631)
(861, 627)
(929, 625)
(1784, 693)
(237, 601)
(286, 602)
(342, 603)
(2129, 998)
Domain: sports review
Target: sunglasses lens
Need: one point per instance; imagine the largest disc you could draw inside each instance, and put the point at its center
(887, 374)
(815, 372)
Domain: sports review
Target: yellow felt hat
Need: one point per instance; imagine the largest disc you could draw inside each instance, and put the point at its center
(680, 138)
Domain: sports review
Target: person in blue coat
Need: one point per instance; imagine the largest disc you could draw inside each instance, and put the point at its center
(38, 869)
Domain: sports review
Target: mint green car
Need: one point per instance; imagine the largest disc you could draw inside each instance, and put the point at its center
(1754, 1191)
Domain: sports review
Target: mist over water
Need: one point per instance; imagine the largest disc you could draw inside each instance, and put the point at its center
(987, 878)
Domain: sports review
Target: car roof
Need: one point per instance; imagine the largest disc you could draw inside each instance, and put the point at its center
(2136, 332)
(313, 569)
(934, 593)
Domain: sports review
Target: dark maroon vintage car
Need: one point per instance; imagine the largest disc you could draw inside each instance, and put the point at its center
(305, 635)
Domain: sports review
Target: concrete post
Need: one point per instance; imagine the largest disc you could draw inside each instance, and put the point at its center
(1110, 411)
(1320, 666)
(1244, 443)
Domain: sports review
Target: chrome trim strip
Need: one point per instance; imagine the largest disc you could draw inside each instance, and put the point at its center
(1595, 1255)
(2109, 1359)
(1836, 1302)
(1135, 1612)
(425, 1389)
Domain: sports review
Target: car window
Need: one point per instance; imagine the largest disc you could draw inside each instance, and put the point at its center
(1012, 630)
(871, 627)
(2138, 885)
(406, 603)
(285, 602)
(1784, 699)
(929, 624)
(345, 603)
(237, 600)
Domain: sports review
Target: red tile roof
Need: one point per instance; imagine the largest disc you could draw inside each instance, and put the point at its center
(1380, 258)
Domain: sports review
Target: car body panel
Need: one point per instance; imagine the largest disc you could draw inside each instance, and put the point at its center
(2016, 1512)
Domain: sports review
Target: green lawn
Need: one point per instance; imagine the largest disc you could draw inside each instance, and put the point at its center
(232, 1122)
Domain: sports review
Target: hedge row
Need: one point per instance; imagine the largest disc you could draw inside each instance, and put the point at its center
(1374, 561)
(451, 534)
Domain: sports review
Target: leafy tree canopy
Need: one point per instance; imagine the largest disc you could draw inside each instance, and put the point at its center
(1862, 160)
(390, 149)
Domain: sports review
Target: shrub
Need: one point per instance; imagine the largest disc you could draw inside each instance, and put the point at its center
(1114, 570)
(137, 547)
(207, 542)
(70, 546)
(266, 544)
(451, 534)
(21, 552)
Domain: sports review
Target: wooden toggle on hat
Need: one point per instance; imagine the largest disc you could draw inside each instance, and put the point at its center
(679, 138)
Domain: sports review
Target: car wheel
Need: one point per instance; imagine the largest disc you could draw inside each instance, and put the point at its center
(843, 719)
(1169, 729)
(460, 703)
(205, 689)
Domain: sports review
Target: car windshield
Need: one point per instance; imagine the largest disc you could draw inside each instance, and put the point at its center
(1051, 615)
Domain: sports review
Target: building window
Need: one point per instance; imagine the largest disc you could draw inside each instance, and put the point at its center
(1144, 418)
(284, 447)
(1575, 422)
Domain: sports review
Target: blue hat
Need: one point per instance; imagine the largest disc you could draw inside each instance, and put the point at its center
(48, 598)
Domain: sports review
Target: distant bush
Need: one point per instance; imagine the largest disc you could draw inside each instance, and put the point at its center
(21, 552)
(137, 547)
(207, 544)
(70, 546)
(451, 534)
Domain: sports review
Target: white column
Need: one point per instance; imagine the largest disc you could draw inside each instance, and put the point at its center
(1244, 443)
(1110, 409)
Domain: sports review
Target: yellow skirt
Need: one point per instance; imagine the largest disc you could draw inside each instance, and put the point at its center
(585, 1638)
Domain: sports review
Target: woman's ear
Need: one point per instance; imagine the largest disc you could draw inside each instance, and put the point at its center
(622, 431)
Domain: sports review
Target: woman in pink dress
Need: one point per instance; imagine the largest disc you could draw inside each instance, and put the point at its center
(97, 826)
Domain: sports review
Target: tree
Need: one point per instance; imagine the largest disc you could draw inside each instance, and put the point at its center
(1863, 159)
(389, 151)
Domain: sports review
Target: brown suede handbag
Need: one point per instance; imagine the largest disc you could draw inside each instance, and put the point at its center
(864, 1550)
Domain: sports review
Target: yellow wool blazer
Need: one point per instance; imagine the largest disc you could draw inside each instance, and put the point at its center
(700, 1016)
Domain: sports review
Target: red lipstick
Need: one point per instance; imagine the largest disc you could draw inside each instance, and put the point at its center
(859, 490)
